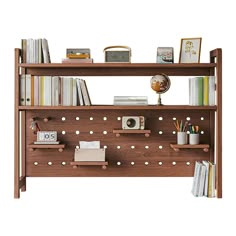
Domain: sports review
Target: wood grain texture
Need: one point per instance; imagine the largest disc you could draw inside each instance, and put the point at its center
(16, 130)
(120, 69)
(216, 55)
(126, 149)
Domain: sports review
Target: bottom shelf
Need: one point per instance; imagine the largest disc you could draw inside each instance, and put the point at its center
(177, 147)
(75, 164)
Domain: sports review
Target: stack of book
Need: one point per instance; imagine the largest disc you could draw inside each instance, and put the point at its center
(130, 100)
(204, 179)
(35, 51)
(202, 91)
(53, 91)
(78, 55)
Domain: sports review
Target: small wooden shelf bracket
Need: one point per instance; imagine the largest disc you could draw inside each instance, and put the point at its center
(177, 147)
(103, 164)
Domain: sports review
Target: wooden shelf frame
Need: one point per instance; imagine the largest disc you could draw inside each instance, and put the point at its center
(118, 69)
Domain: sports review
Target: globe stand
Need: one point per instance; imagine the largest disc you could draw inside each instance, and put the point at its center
(159, 100)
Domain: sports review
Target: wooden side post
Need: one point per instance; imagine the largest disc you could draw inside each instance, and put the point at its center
(16, 130)
(216, 57)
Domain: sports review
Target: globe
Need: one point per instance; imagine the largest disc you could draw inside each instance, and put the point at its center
(160, 84)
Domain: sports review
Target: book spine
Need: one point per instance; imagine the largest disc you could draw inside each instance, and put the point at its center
(206, 91)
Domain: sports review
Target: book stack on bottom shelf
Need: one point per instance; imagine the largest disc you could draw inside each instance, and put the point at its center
(204, 179)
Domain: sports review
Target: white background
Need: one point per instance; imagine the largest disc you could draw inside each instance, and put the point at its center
(116, 206)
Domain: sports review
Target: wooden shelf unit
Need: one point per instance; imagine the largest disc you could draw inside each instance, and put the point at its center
(126, 156)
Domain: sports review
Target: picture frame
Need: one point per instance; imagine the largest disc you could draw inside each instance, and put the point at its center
(190, 50)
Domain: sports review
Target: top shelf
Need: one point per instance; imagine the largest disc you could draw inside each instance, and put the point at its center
(120, 69)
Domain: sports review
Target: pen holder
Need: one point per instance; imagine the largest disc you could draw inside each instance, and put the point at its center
(182, 138)
(193, 139)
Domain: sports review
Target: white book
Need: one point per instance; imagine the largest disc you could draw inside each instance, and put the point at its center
(40, 59)
(195, 92)
(206, 163)
(28, 90)
(80, 97)
(202, 180)
(130, 98)
(196, 178)
(45, 49)
(130, 103)
(55, 90)
(74, 93)
(211, 90)
(36, 90)
(213, 190)
(22, 90)
(84, 92)
(47, 91)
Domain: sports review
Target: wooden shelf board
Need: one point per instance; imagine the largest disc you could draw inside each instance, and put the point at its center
(112, 107)
(46, 146)
(118, 65)
(120, 69)
(132, 131)
(200, 146)
(89, 163)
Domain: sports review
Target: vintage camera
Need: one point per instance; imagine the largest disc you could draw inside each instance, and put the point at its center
(133, 122)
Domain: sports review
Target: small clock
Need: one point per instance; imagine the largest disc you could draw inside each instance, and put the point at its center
(46, 136)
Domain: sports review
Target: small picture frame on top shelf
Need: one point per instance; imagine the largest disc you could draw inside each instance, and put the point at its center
(190, 50)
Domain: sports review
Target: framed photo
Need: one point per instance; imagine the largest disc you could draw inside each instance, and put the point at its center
(190, 49)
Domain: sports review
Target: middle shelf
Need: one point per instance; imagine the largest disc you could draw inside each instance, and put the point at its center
(112, 107)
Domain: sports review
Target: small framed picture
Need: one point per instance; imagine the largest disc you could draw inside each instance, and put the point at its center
(165, 55)
(190, 49)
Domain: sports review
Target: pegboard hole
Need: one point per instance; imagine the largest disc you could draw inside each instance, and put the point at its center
(118, 147)
(49, 163)
(104, 132)
(104, 118)
(174, 132)
(202, 132)
(105, 147)
(63, 163)
(118, 163)
(90, 118)
(160, 147)
(77, 118)
(118, 118)
(188, 118)
(202, 118)
(146, 163)
(77, 132)
(132, 163)
(173, 163)
(160, 132)
(188, 163)
(90, 132)
(36, 163)
(63, 118)
(146, 147)
(174, 118)
(160, 118)
(132, 147)
(160, 163)
(63, 132)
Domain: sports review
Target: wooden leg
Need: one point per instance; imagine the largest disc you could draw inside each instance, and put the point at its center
(23, 150)
(16, 158)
